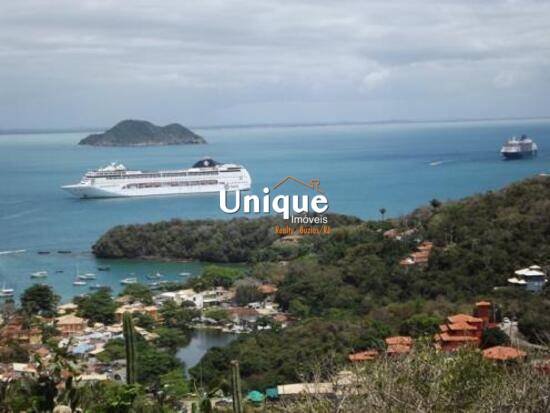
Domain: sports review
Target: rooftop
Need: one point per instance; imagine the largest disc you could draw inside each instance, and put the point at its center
(503, 353)
(457, 318)
(363, 356)
(402, 340)
(461, 326)
(448, 337)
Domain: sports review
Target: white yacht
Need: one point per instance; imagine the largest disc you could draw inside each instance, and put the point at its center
(128, 281)
(39, 274)
(206, 176)
(6, 292)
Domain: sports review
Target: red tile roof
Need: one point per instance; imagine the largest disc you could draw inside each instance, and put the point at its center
(503, 353)
(402, 340)
(363, 356)
(398, 349)
(461, 326)
(448, 337)
(267, 289)
(465, 318)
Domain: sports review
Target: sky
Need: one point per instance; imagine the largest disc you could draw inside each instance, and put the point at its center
(67, 63)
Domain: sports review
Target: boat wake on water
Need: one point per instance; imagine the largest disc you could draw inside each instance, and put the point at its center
(12, 252)
(19, 214)
(437, 163)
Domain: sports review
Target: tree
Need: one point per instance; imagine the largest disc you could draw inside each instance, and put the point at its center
(298, 308)
(39, 299)
(98, 307)
(494, 337)
(144, 320)
(130, 347)
(215, 276)
(138, 292)
(382, 212)
(420, 325)
(435, 203)
(217, 313)
(171, 339)
(175, 316)
(174, 384)
(236, 387)
(246, 294)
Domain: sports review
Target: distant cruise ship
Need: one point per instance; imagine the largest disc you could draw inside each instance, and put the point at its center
(517, 148)
(206, 176)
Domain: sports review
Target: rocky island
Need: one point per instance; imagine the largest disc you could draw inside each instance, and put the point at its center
(143, 133)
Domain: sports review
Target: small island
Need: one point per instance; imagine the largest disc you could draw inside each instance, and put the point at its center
(143, 133)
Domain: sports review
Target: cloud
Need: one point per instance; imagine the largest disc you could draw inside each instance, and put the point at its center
(93, 62)
(375, 79)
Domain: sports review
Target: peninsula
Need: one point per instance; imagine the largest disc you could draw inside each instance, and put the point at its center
(143, 133)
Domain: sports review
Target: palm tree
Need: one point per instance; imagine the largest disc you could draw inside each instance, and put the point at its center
(382, 212)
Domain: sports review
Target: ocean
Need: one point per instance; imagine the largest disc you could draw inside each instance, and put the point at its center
(361, 168)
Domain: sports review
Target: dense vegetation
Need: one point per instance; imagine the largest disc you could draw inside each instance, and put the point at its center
(281, 356)
(140, 132)
(353, 276)
(236, 240)
(428, 381)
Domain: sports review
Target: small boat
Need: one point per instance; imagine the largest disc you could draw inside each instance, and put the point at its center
(157, 285)
(43, 252)
(128, 281)
(39, 274)
(59, 271)
(79, 283)
(184, 274)
(6, 292)
(104, 268)
(87, 276)
(96, 286)
(64, 252)
(154, 276)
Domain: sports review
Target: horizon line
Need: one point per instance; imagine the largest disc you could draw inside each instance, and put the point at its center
(38, 130)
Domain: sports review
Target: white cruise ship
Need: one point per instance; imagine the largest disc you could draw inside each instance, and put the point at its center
(206, 176)
(516, 148)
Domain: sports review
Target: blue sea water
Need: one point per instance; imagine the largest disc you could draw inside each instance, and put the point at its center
(361, 168)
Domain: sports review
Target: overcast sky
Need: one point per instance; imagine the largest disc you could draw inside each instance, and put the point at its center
(87, 63)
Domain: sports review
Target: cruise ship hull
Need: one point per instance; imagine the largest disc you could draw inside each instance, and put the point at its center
(518, 155)
(89, 191)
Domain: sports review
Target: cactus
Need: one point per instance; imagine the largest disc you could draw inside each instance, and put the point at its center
(236, 387)
(130, 347)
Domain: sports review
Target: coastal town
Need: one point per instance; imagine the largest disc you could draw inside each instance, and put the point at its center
(41, 339)
(85, 339)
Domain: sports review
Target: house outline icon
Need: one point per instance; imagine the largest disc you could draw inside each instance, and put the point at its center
(313, 183)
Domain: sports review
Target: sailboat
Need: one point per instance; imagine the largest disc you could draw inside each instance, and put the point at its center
(78, 281)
